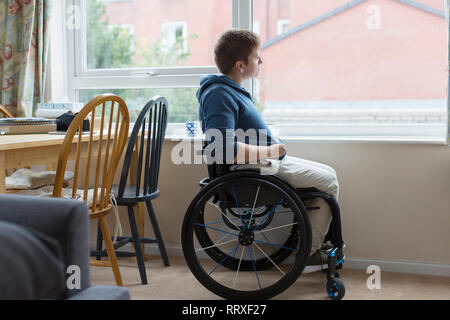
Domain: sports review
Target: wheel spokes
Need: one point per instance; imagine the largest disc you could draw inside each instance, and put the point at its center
(253, 209)
(282, 272)
(254, 267)
(209, 227)
(216, 245)
(237, 205)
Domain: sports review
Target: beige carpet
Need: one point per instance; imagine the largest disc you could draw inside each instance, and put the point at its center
(177, 283)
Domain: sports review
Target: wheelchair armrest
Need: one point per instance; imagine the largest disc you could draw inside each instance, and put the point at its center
(204, 182)
(306, 190)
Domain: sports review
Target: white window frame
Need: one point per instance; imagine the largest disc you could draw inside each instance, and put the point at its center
(174, 25)
(280, 25)
(129, 27)
(257, 27)
(78, 77)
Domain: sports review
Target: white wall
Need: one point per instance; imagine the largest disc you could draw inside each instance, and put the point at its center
(394, 198)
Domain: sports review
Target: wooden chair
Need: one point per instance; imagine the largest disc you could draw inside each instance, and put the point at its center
(114, 124)
(5, 112)
(147, 138)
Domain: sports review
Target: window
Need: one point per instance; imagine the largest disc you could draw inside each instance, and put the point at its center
(256, 27)
(142, 48)
(334, 68)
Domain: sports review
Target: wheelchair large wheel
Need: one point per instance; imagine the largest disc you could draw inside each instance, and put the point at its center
(260, 263)
(258, 251)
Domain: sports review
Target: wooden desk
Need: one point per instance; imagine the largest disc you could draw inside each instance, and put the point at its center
(36, 149)
(32, 149)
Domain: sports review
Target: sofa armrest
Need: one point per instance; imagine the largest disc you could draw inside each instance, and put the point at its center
(63, 219)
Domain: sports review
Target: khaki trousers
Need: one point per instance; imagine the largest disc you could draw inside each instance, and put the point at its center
(302, 173)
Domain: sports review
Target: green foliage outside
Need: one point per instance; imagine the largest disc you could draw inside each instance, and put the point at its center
(110, 46)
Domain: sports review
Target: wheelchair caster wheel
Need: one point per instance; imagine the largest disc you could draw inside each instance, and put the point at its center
(335, 288)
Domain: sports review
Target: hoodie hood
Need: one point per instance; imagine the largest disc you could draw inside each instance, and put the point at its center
(212, 81)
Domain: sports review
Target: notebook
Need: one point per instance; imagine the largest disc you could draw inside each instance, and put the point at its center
(27, 125)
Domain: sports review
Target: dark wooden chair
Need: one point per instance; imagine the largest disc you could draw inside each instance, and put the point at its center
(147, 138)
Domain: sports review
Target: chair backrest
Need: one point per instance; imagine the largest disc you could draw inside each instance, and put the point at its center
(215, 169)
(147, 136)
(5, 112)
(105, 145)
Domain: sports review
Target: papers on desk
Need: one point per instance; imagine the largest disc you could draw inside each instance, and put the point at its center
(27, 125)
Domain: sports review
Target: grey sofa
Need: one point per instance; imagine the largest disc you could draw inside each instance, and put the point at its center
(44, 251)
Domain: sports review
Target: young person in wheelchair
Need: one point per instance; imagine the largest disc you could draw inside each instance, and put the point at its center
(262, 219)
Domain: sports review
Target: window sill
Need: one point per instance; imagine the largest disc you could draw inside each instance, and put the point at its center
(433, 134)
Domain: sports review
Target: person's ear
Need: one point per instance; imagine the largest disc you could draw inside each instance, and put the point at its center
(239, 66)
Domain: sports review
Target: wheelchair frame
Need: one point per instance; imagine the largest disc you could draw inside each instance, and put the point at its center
(219, 176)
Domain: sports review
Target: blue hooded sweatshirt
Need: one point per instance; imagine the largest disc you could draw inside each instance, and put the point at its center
(227, 107)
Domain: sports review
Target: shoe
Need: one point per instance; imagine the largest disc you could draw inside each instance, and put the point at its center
(316, 262)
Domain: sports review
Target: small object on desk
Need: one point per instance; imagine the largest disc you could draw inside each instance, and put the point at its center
(192, 128)
(63, 133)
(63, 122)
(55, 109)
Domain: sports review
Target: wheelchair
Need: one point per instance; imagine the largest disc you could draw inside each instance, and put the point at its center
(247, 236)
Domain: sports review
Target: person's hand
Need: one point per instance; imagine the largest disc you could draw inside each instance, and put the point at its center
(278, 150)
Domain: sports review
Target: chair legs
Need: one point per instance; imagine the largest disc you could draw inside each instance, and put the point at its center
(137, 245)
(110, 250)
(158, 236)
(137, 240)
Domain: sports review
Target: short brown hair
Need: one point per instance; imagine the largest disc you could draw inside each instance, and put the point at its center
(234, 45)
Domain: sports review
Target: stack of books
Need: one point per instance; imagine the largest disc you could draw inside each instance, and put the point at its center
(52, 110)
(26, 125)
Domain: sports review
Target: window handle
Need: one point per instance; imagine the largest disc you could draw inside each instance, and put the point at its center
(147, 73)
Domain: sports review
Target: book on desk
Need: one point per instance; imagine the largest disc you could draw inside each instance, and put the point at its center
(27, 125)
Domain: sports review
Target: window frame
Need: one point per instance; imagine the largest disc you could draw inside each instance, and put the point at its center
(175, 25)
(280, 26)
(76, 77)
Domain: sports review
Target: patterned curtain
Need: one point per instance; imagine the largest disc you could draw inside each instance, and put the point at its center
(24, 44)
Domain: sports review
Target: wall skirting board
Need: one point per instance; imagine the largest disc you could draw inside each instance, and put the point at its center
(350, 263)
